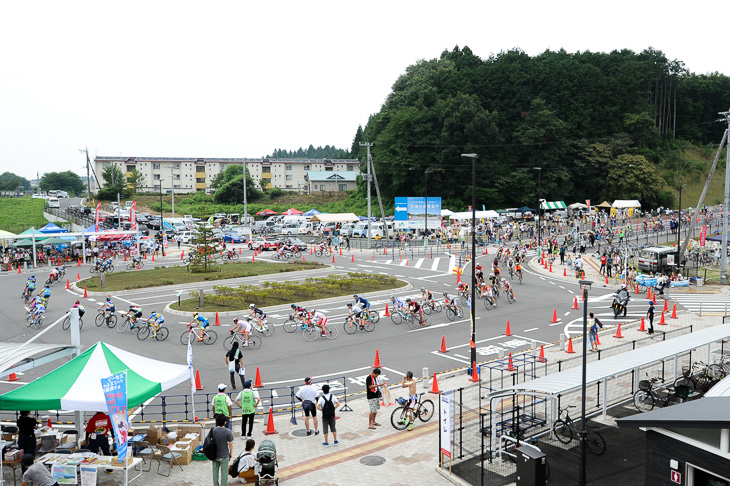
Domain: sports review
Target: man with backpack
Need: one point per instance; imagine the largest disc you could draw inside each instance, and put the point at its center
(223, 440)
(327, 404)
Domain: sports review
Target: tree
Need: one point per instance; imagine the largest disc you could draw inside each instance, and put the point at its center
(62, 181)
(202, 257)
(13, 182)
(634, 177)
(232, 192)
(136, 180)
(114, 183)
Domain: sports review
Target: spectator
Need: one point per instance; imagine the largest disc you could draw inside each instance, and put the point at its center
(223, 439)
(36, 474)
(372, 383)
(234, 360)
(328, 413)
(247, 463)
(248, 400)
(308, 396)
(26, 434)
(97, 433)
(222, 405)
(650, 316)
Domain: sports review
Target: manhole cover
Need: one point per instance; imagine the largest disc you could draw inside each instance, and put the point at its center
(300, 432)
(372, 461)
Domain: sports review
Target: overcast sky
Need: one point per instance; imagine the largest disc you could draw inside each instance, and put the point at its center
(239, 79)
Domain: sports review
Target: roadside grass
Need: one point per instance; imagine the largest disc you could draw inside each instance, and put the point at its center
(268, 294)
(19, 214)
(159, 276)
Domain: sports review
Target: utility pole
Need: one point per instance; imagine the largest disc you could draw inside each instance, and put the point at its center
(380, 200)
(245, 203)
(172, 188)
(726, 207)
(368, 145)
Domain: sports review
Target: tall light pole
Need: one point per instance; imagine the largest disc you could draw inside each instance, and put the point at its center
(162, 228)
(425, 222)
(539, 206)
(679, 220)
(725, 207)
(585, 286)
(473, 157)
(172, 188)
(245, 202)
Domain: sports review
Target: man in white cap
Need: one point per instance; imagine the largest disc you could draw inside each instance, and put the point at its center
(222, 405)
(308, 395)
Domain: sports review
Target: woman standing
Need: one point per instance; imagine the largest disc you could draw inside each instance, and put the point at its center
(26, 433)
(234, 360)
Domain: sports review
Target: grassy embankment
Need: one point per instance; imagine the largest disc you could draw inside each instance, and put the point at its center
(19, 214)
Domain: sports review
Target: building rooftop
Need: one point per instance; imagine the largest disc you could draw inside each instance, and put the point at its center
(330, 176)
(222, 160)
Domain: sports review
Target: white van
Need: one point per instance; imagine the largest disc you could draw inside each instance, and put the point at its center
(53, 202)
(298, 220)
(376, 230)
(178, 224)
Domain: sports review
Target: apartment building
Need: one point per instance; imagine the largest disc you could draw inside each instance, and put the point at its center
(186, 174)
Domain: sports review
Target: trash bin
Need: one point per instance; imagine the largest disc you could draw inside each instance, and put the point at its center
(699, 281)
(531, 466)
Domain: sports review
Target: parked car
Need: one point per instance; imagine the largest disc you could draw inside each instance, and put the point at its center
(235, 237)
(300, 245)
(263, 243)
(185, 236)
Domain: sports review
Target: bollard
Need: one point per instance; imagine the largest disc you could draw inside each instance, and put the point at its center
(501, 354)
(700, 309)
(200, 298)
(562, 342)
(103, 279)
(533, 346)
(424, 373)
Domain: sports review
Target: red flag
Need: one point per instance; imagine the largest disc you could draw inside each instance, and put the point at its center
(588, 203)
(133, 215)
(703, 235)
(96, 217)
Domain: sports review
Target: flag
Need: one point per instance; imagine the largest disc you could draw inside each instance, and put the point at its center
(96, 217)
(115, 392)
(133, 215)
(190, 366)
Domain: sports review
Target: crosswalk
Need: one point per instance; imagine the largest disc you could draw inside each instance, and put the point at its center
(444, 264)
(706, 303)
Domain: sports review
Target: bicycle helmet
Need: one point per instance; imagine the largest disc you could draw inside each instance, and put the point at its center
(504, 279)
(408, 299)
(251, 306)
(78, 302)
(195, 314)
(445, 293)
(108, 299)
(355, 296)
(293, 306)
(423, 289)
(312, 311)
(235, 320)
(349, 304)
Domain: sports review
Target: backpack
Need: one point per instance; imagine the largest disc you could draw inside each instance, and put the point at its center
(233, 468)
(328, 409)
(210, 449)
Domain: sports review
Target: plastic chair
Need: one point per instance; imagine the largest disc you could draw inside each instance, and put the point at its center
(165, 454)
(146, 451)
(68, 444)
(48, 444)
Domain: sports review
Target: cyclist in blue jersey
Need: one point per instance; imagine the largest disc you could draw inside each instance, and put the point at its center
(201, 321)
(363, 303)
(397, 302)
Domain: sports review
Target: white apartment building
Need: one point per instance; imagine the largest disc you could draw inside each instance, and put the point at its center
(184, 174)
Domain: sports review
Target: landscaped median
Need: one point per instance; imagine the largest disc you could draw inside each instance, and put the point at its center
(268, 294)
(176, 275)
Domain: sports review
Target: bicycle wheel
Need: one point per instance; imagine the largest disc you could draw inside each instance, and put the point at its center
(413, 323)
(426, 321)
(396, 317)
(184, 337)
(350, 327)
(228, 342)
(66, 323)
(234, 256)
(144, 333)
(112, 321)
(437, 306)
(291, 325)
(459, 312)
(331, 332)
(425, 412)
(487, 303)
(684, 381)
(369, 326)
(510, 299)
(92, 270)
(643, 401)
(463, 298)
(374, 316)
(130, 266)
(123, 326)
(450, 313)
(318, 253)
(717, 371)
(595, 442)
(254, 342)
(267, 330)
(398, 418)
(99, 320)
(162, 333)
(39, 322)
(562, 431)
(310, 333)
(211, 337)
(674, 400)
(426, 309)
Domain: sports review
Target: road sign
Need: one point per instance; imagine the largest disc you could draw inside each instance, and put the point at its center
(410, 212)
(676, 477)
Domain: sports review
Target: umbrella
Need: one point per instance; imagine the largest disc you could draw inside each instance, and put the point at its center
(292, 212)
(312, 212)
(76, 385)
(266, 212)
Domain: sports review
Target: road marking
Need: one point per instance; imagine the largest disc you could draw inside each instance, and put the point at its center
(452, 263)
(424, 279)
(403, 263)
(400, 276)
(116, 297)
(551, 282)
(337, 373)
(435, 264)
(419, 263)
(388, 262)
(566, 313)
(398, 373)
(561, 287)
(555, 324)
(460, 356)
(530, 330)
(90, 299)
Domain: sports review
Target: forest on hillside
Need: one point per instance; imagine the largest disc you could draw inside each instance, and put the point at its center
(597, 125)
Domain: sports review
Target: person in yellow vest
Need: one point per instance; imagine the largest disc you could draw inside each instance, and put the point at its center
(222, 405)
(248, 400)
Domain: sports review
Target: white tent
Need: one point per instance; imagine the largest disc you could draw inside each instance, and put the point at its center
(626, 203)
(578, 206)
(335, 218)
(479, 214)
(446, 212)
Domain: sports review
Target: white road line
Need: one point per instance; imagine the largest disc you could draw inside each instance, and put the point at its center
(530, 330)
(452, 263)
(426, 280)
(551, 282)
(337, 373)
(561, 287)
(400, 276)
(388, 262)
(463, 361)
(460, 356)
(566, 313)
(555, 324)
(116, 297)
(419, 263)
(435, 264)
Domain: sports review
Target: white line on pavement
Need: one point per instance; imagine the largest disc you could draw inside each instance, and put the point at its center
(337, 373)
(530, 330)
(419, 263)
(566, 313)
(435, 264)
(460, 356)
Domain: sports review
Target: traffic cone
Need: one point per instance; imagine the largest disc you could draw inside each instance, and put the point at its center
(508, 332)
(340, 251)
(387, 312)
(125, 257)
(372, 257)
(376, 364)
(303, 259)
(648, 293)
(253, 258)
(50, 424)
(555, 316)
(606, 278)
(618, 332)
(78, 263)
(443, 345)
(198, 385)
(674, 310)
(182, 255)
(153, 258)
(666, 307)
(598, 341)
(145, 255)
(270, 430)
(435, 387)
(19, 269)
(217, 320)
(510, 365)
(78, 277)
(406, 262)
(85, 294)
(565, 272)
(333, 258)
(551, 268)
(575, 302)
(385, 252)
(570, 346)
(662, 322)
(541, 358)
(486, 250)
(474, 374)
(13, 377)
(239, 251)
(382, 402)
(642, 328)
(311, 251)
(353, 258)
(637, 289)
(68, 284)
(138, 266)
(258, 383)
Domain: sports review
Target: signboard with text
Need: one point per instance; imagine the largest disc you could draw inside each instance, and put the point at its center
(410, 212)
(115, 392)
(446, 422)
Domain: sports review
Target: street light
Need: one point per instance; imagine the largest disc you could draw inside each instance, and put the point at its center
(585, 286)
(539, 206)
(473, 157)
(679, 224)
(162, 230)
(425, 223)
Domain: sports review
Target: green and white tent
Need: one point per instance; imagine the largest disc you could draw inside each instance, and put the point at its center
(76, 385)
(553, 205)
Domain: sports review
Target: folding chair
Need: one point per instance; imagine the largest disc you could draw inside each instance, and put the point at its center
(165, 454)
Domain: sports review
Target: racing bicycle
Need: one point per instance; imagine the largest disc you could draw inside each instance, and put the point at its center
(209, 336)
(453, 311)
(145, 330)
(101, 318)
(423, 411)
(254, 342)
(312, 332)
(351, 324)
(430, 305)
(67, 323)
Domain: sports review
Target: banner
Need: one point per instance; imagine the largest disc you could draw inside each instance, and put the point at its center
(703, 235)
(190, 365)
(96, 217)
(133, 215)
(446, 422)
(410, 212)
(115, 392)
(588, 203)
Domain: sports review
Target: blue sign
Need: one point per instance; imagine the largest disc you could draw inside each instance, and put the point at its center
(413, 210)
(115, 393)
(401, 208)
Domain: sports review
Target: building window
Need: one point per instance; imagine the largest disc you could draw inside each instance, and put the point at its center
(200, 180)
(177, 177)
(328, 169)
(200, 168)
(266, 170)
(306, 167)
(343, 187)
(130, 168)
(322, 187)
(351, 168)
(157, 177)
(155, 166)
(177, 186)
(289, 178)
(289, 186)
(176, 166)
(289, 167)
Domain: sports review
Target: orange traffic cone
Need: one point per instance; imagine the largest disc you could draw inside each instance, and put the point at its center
(541, 358)
(138, 266)
(666, 307)
(662, 322)
(153, 258)
(258, 383)
(85, 294)
(372, 257)
(648, 293)
(311, 251)
(435, 387)
(19, 269)
(303, 259)
(217, 320)
(125, 257)
(387, 312)
(270, 430)
(575, 302)
(642, 328)
(637, 289)
(565, 272)
(68, 284)
(78, 264)
(182, 255)
(618, 332)
(239, 251)
(606, 278)
(570, 346)
(198, 385)
(377, 364)
(551, 268)
(333, 258)
(443, 345)
(353, 258)
(507, 332)
(486, 250)
(78, 277)
(674, 310)
(474, 373)
(12, 377)
(598, 341)
(50, 424)
(510, 365)
(555, 316)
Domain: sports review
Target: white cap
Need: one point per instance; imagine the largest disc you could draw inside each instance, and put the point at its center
(222, 387)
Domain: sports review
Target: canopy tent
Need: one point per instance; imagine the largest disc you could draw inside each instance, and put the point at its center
(292, 212)
(114, 236)
(53, 228)
(604, 204)
(446, 212)
(479, 214)
(266, 212)
(577, 206)
(717, 237)
(552, 205)
(626, 203)
(6, 234)
(335, 218)
(525, 209)
(76, 385)
(32, 231)
(311, 212)
(39, 242)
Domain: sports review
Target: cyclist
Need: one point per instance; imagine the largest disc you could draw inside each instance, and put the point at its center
(495, 263)
(518, 268)
(40, 309)
(488, 293)
(508, 288)
(198, 320)
(46, 292)
(257, 314)
(54, 275)
(37, 300)
(136, 260)
(108, 306)
(301, 314)
(80, 307)
(479, 274)
(410, 383)
(283, 249)
(416, 310)
(319, 320)
(29, 287)
(510, 267)
(364, 304)
(493, 280)
(241, 326)
(356, 314)
(155, 320)
(397, 302)
(134, 313)
(427, 297)
(464, 288)
(497, 273)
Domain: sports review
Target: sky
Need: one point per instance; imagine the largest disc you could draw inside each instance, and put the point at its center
(242, 78)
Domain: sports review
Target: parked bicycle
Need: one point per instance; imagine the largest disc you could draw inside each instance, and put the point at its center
(209, 336)
(254, 342)
(423, 411)
(566, 430)
(699, 378)
(647, 397)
